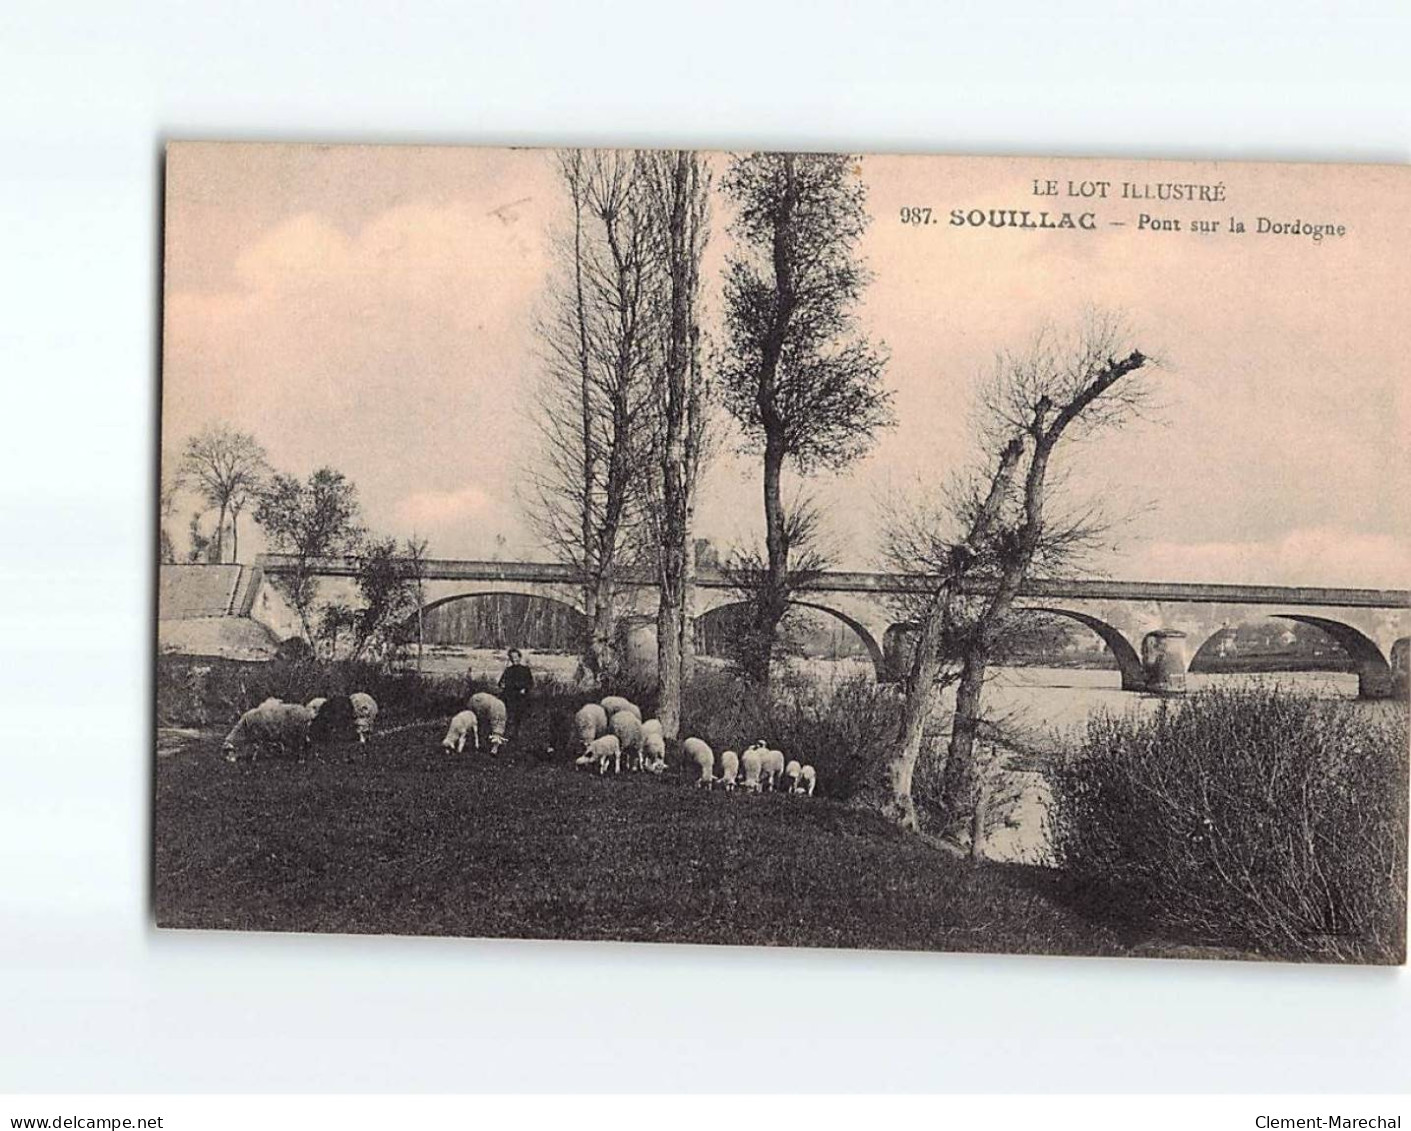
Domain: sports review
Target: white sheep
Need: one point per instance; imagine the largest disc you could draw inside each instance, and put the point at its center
(602, 751)
(752, 761)
(771, 767)
(463, 723)
(590, 722)
(490, 714)
(802, 779)
(628, 729)
(364, 713)
(279, 724)
(652, 725)
(729, 769)
(704, 757)
(654, 747)
(315, 703)
(611, 704)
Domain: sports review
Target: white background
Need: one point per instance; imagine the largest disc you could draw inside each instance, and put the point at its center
(91, 997)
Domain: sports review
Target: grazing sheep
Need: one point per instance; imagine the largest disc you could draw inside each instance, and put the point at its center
(651, 725)
(335, 720)
(614, 703)
(729, 769)
(490, 713)
(752, 761)
(603, 750)
(704, 757)
(316, 703)
(791, 771)
(590, 721)
(771, 767)
(654, 748)
(462, 723)
(808, 778)
(364, 713)
(285, 725)
(628, 728)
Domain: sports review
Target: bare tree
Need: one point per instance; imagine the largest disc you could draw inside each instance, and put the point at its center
(798, 376)
(414, 556)
(227, 468)
(997, 528)
(676, 188)
(599, 347)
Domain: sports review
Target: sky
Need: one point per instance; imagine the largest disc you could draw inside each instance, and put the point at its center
(373, 308)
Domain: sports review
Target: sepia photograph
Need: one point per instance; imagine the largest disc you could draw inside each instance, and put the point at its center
(795, 549)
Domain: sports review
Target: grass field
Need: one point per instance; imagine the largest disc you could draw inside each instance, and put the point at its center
(396, 837)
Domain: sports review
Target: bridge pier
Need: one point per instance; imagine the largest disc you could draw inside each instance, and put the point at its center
(1401, 668)
(1378, 681)
(1164, 662)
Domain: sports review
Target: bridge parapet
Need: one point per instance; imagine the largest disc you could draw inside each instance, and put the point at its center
(847, 581)
(1141, 621)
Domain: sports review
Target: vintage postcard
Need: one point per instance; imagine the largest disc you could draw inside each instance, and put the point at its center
(798, 549)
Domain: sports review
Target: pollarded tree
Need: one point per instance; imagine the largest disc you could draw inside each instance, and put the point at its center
(998, 528)
(227, 468)
(798, 375)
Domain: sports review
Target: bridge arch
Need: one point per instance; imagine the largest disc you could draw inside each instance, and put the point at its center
(1129, 663)
(860, 630)
(566, 609)
(1375, 679)
(898, 641)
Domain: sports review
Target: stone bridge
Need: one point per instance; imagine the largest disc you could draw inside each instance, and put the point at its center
(1151, 628)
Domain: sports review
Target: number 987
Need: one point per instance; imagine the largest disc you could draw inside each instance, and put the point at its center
(910, 215)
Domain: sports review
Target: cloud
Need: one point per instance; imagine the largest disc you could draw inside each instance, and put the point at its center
(435, 509)
(1321, 555)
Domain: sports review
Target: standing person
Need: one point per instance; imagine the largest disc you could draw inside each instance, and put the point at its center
(516, 683)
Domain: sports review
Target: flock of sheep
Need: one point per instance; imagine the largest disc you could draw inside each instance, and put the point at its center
(607, 732)
(292, 726)
(612, 729)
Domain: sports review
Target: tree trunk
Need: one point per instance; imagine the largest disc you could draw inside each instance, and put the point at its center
(592, 655)
(959, 784)
(772, 596)
(669, 668)
(688, 602)
(603, 647)
(927, 661)
(235, 536)
(900, 770)
(220, 534)
(673, 529)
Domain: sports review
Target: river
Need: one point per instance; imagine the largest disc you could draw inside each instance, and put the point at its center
(1047, 704)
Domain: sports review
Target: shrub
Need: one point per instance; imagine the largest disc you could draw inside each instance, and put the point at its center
(212, 691)
(1250, 817)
